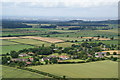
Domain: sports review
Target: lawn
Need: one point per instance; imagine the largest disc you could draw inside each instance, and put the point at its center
(99, 69)
(6, 49)
(10, 72)
(31, 41)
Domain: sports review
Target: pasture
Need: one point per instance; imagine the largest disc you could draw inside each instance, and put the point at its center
(6, 42)
(8, 48)
(10, 72)
(99, 69)
(31, 42)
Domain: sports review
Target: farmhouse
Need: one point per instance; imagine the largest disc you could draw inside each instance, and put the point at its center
(30, 53)
(28, 63)
(100, 54)
(22, 55)
(17, 59)
(64, 57)
(45, 58)
(31, 59)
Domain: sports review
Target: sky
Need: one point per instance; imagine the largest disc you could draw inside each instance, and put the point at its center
(61, 8)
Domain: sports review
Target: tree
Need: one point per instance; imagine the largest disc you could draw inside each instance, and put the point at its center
(43, 45)
(48, 36)
(114, 53)
(46, 61)
(14, 54)
(114, 59)
(108, 53)
(4, 60)
(112, 38)
(54, 60)
(67, 35)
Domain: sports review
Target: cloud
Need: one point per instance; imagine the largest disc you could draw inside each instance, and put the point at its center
(63, 3)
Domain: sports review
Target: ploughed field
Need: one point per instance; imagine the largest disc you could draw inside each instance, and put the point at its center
(99, 69)
(10, 72)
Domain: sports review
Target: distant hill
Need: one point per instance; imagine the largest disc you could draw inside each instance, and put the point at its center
(14, 24)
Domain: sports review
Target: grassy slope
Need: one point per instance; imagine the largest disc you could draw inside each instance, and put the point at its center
(101, 69)
(31, 41)
(5, 42)
(17, 47)
(9, 72)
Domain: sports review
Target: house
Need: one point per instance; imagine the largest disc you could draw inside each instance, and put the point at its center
(17, 59)
(100, 54)
(45, 58)
(30, 53)
(52, 56)
(64, 57)
(28, 62)
(22, 55)
(89, 55)
(31, 59)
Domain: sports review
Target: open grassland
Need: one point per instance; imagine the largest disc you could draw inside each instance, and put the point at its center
(31, 42)
(71, 38)
(65, 44)
(9, 72)
(7, 49)
(5, 42)
(108, 42)
(100, 69)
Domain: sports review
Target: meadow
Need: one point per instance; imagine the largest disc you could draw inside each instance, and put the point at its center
(17, 47)
(31, 42)
(100, 69)
(10, 72)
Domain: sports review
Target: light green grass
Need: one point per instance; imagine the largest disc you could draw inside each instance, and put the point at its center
(7, 49)
(5, 42)
(73, 60)
(65, 44)
(10, 72)
(31, 41)
(100, 69)
(71, 38)
(108, 42)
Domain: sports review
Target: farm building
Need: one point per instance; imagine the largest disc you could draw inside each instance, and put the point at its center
(30, 53)
(22, 55)
(31, 59)
(17, 59)
(100, 54)
(45, 58)
(28, 63)
(64, 57)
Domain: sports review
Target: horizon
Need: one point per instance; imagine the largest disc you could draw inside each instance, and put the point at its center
(94, 10)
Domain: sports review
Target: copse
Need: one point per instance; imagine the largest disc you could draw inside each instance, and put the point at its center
(14, 54)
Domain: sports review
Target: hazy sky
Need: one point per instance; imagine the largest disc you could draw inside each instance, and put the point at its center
(68, 8)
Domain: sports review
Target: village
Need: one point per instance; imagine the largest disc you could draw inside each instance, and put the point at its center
(85, 52)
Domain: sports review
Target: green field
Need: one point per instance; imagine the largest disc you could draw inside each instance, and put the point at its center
(71, 38)
(6, 49)
(31, 41)
(6, 42)
(100, 69)
(65, 44)
(108, 42)
(10, 72)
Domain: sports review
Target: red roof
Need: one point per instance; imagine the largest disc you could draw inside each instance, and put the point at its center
(63, 56)
(28, 62)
